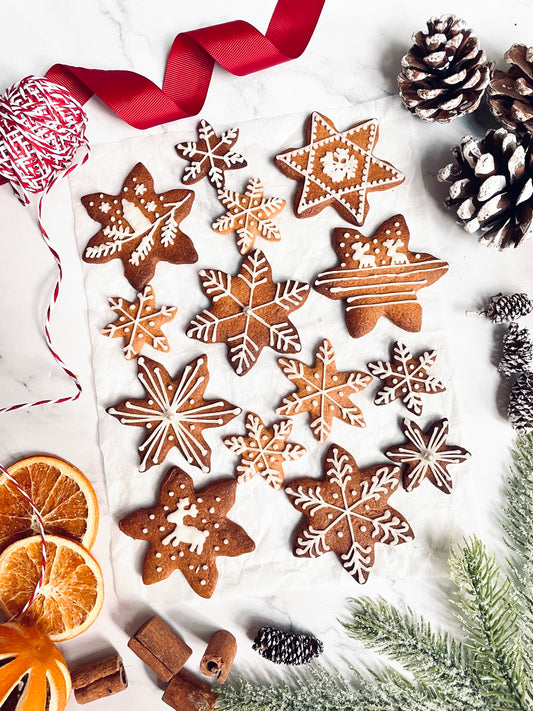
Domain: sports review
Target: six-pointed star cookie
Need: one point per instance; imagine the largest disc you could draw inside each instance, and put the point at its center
(323, 391)
(140, 227)
(210, 155)
(427, 455)
(337, 168)
(249, 215)
(139, 323)
(347, 512)
(174, 412)
(264, 451)
(379, 276)
(406, 377)
(187, 531)
(249, 311)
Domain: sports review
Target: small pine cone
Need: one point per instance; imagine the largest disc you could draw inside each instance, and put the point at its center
(510, 94)
(492, 186)
(502, 309)
(520, 410)
(444, 74)
(283, 647)
(517, 351)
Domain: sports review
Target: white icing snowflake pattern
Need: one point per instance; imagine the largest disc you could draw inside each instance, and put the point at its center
(347, 512)
(151, 206)
(104, 207)
(339, 165)
(140, 189)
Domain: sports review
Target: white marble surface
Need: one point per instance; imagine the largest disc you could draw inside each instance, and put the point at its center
(353, 57)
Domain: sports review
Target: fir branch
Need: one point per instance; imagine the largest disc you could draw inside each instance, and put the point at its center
(487, 610)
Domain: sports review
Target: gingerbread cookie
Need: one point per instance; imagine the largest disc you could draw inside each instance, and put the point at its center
(249, 311)
(249, 215)
(174, 412)
(379, 276)
(210, 155)
(337, 168)
(406, 377)
(139, 323)
(187, 531)
(347, 512)
(427, 455)
(140, 227)
(323, 391)
(264, 451)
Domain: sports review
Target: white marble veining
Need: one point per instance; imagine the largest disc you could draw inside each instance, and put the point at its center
(353, 57)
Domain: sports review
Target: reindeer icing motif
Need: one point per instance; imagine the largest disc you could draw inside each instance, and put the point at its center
(183, 533)
(392, 246)
(359, 252)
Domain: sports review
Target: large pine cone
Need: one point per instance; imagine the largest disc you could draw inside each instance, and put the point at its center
(510, 94)
(444, 74)
(492, 186)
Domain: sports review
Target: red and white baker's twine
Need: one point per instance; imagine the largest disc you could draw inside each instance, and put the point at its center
(40, 523)
(42, 131)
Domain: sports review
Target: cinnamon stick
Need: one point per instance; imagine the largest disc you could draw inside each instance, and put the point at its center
(160, 648)
(99, 679)
(219, 655)
(186, 692)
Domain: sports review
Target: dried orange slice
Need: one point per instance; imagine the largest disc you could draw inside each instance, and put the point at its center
(72, 593)
(63, 496)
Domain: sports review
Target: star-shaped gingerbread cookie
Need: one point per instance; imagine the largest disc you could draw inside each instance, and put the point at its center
(140, 227)
(174, 412)
(139, 323)
(187, 530)
(337, 168)
(249, 215)
(210, 155)
(379, 276)
(427, 455)
(347, 512)
(323, 391)
(264, 450)
(406, 377)
(249, 311)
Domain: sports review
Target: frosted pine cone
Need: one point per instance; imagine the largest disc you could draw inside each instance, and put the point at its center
(492, 186)
(517, 351)
(510, 93)
(520, 410)
(444, 74)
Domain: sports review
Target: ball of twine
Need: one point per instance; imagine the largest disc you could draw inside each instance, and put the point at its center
(42, 128)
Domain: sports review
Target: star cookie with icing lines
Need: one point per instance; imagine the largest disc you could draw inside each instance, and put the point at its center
(139, 323)
(337, 168)
(379, 276)
(264, 450)
(174, 413)
(406, 377)
(427, 455)
(188, 530)
(249, 311)
(210, 155)
(140, 227)
(323, 391)
(347, 512)
(249, 215)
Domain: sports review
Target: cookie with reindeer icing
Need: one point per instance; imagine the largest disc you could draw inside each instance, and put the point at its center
(379, 276)
(188, 530)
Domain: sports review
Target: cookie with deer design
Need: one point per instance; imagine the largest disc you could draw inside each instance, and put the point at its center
(188, 530)
(379, 276)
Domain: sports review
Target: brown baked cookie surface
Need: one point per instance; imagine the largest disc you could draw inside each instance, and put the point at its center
(379, 276)
(337, 168)
(347, 512)
(187, 530)
(140, 227)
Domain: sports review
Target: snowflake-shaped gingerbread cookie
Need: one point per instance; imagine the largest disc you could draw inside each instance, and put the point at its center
(406, 377)
(264, 450)
(174, 412)
(210, 155)
(249, 215)
(249, 311)
(347, 512)
(427, 455)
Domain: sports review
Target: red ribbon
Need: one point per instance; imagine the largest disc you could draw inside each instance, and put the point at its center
(237, 46)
